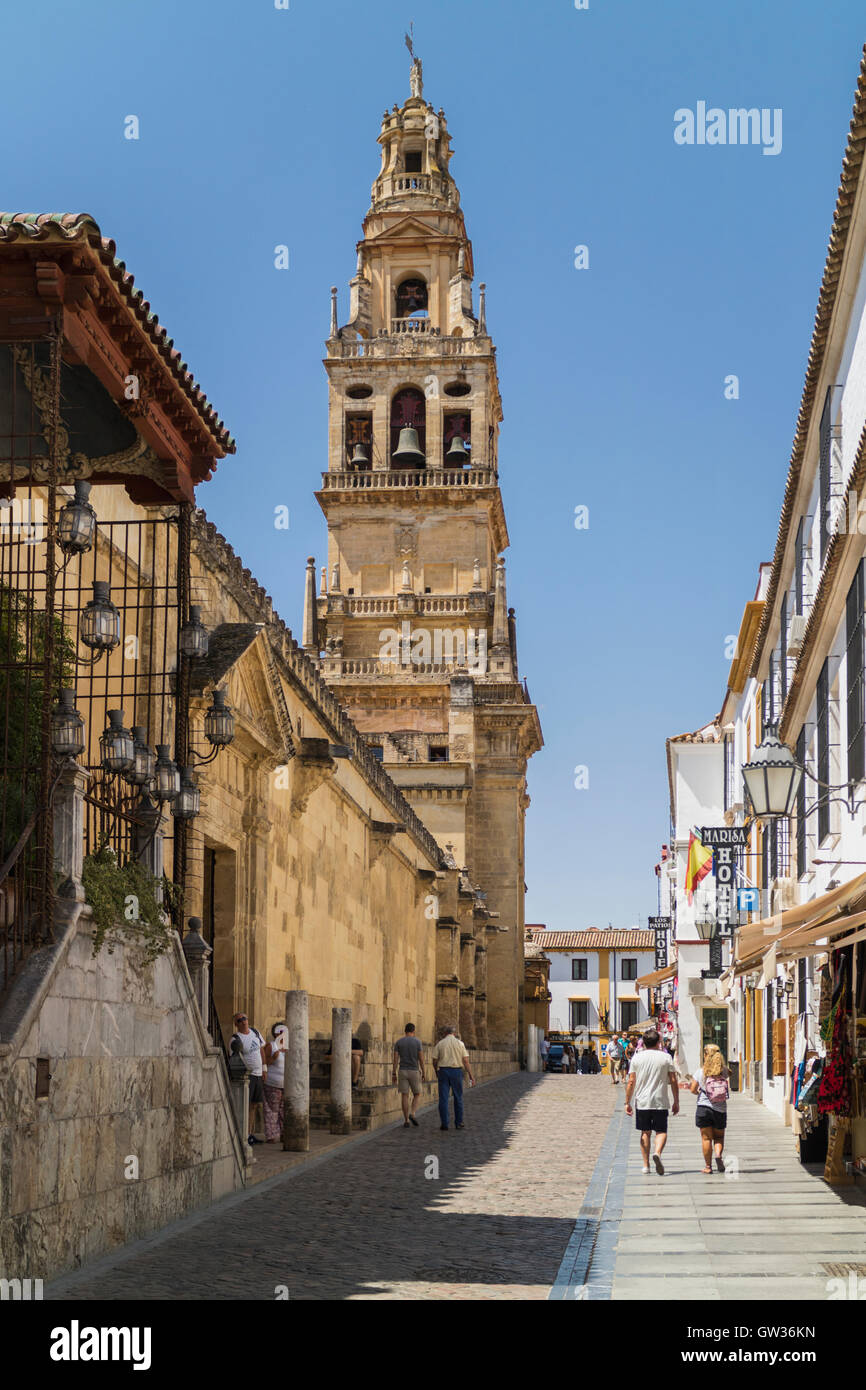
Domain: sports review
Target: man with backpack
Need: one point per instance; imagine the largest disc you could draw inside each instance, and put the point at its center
(252, 1050)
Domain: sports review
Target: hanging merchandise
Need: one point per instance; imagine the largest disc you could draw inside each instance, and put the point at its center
(834, 1095)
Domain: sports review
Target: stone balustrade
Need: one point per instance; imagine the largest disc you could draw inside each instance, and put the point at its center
(380, 479)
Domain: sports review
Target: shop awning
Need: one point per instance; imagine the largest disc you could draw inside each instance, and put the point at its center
(656, 977)
(803, 940)
(754, 940)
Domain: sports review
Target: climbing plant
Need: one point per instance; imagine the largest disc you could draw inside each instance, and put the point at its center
(127, 906)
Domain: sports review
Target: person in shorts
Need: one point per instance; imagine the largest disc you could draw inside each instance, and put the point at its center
(650, 1074)
(710, 1085)
(408, 1072)
(614, 1056)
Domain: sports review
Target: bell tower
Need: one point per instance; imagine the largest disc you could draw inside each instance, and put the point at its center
(411, 626)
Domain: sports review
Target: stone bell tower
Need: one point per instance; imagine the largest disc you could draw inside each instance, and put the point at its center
(411, 625)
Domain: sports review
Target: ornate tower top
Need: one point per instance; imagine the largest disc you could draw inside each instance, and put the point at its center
(415, 153)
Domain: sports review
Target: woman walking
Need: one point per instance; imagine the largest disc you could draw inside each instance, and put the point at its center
(275, 1056)
(710, 1085)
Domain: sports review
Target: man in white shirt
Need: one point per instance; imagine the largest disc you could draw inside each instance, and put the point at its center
(450, 1060)
(652, 1070)
(252, 1050)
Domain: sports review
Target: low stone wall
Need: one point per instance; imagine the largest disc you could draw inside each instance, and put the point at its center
(136, 1128)
(377, 1102)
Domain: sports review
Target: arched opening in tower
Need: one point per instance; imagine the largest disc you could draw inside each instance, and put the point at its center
(408, 412)
(411, 299)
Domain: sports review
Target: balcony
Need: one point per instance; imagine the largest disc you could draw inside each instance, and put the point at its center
(390, 479)
(418, 341)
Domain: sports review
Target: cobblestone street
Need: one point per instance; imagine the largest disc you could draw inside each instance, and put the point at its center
(365, 1222)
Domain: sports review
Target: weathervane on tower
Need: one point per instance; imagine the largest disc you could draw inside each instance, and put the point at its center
(416, 83)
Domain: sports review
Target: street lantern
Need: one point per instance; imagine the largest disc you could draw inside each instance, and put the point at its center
(219, 722)
(67, 727)
(167, 775)
(76, 524)
(705, 920)
(100, 620)
(116, 747)
(187, 803)
(193, 635)
(144, 762)
(772, 779)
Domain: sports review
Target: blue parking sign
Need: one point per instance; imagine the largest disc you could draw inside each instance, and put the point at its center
(748, 899)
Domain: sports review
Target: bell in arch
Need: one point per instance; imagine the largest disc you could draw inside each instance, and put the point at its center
(360, 458)
(457, 453)
(408, 451)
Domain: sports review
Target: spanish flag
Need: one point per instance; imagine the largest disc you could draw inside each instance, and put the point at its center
(699, 863)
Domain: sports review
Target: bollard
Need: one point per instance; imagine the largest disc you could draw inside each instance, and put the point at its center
(296, 1106)
(341, 1071)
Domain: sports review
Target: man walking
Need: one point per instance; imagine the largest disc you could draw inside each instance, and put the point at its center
(408, 1072)
(650, 1074)
(450, 1060)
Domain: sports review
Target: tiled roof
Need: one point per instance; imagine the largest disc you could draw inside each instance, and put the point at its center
(629, 939)
(80, 227)
(710, 733)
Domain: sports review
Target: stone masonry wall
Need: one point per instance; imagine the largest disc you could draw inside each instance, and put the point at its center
(133, 1080)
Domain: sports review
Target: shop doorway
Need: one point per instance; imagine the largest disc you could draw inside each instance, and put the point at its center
(714, 1029)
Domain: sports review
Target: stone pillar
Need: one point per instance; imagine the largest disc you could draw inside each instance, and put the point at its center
(68, 808)
(341, 1071)
(310, 639)
(197, 954)
(296, 1109)
(531, 1064)
(239, 1095)
(149, 844)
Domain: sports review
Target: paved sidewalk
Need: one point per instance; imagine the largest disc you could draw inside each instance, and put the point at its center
(367, 1222)
(770, 1229)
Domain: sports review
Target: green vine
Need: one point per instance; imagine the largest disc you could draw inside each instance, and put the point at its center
(126, 907)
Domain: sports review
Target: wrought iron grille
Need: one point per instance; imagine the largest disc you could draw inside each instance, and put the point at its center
(143, 556)
(31, 647)
(138, 559)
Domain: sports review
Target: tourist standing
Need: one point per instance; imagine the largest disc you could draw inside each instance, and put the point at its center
(450, 1060)
(408, 1072)
(711, 1086)
(274, 1084)
(544, 1049)
(651, 1073)
(252, 1050)
(615, 1053)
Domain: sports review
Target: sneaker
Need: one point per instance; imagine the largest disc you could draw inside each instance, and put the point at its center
(413, 1121)
(645, 1170)
(253, 1140)
(459, 1126)
(443, 1126)
(405, 1124)
(720, 1164)
(660, 1167)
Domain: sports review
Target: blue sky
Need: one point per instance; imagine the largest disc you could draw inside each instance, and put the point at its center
(258, 127)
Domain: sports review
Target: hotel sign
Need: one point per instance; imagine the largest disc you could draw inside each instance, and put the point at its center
(725, 840)
(660, 926)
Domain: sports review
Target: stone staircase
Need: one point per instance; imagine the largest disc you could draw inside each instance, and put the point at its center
(363, 1099)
